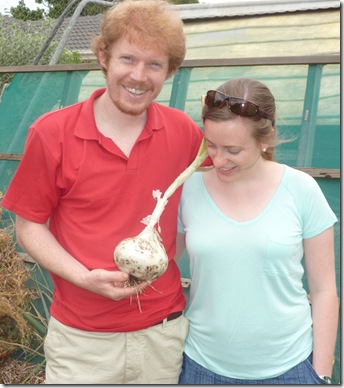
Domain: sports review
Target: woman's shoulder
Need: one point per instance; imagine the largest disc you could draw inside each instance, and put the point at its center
(297, 175)
(193, 184)
(298, 181)
(195, 179)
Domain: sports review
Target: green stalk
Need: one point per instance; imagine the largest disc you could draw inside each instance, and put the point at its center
(33, 373)
(36, 323)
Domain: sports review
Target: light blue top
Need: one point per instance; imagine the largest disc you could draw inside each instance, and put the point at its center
(249, 314)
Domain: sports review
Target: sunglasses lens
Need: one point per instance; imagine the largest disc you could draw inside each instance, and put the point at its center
(243, 108)
(215, 99)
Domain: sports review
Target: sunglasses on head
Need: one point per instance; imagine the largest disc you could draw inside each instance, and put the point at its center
(239, 106)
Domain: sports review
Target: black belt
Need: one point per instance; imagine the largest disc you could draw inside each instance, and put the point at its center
(172, 316)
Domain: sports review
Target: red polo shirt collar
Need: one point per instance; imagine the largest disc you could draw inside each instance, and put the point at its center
(86, 126)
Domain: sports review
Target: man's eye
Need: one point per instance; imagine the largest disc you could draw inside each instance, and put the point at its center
(157, 65)
(127, 58)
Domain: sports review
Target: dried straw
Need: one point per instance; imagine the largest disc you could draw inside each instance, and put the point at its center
(15, 372)
(14, 294)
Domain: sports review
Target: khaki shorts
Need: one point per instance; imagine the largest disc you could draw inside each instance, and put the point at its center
(149, 356)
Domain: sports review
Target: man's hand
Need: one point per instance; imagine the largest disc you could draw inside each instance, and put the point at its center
(110, 284)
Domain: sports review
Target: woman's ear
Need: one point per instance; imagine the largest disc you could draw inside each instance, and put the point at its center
(268, 140)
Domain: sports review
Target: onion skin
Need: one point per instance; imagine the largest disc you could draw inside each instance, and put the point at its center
(143, 257)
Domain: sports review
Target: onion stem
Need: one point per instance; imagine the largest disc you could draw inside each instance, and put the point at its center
(144, 257)
(162, 202)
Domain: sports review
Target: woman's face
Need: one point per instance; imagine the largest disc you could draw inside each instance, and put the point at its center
(233, 150)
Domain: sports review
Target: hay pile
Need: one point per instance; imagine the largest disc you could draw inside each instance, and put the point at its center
(15, 332)
(19, 372)
(14, 294)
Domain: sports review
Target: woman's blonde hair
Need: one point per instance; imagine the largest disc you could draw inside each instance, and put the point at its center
(264, 130)
(148, 22)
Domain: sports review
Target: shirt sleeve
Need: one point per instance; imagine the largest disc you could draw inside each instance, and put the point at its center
(317, 214)
(32, 193)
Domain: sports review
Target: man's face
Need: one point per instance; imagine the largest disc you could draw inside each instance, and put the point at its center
(135, 75)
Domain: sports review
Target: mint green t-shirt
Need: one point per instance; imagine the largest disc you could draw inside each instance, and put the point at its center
(249, 314)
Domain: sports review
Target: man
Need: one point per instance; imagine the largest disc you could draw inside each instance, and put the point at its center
(85, 182)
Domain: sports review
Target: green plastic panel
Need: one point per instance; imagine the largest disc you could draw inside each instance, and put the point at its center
(308, 108)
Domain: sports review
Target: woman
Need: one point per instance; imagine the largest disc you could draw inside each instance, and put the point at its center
(248, 222)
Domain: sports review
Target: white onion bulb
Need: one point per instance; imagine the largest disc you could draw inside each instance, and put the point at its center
(144, 257)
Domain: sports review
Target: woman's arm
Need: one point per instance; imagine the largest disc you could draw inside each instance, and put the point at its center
(320, 267)
(41, 245)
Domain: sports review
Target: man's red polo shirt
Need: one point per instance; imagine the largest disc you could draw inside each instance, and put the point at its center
(94, 196)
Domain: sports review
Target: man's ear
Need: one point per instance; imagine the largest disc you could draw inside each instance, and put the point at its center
(103, 59)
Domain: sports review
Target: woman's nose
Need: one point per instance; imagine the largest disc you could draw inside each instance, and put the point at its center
(219, 159)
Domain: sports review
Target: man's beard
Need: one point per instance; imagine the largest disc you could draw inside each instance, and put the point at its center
(133, 111)
(130, 111)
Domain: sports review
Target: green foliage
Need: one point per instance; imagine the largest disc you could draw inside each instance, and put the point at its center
(20, 44)
(56, 7)
(21, 12)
